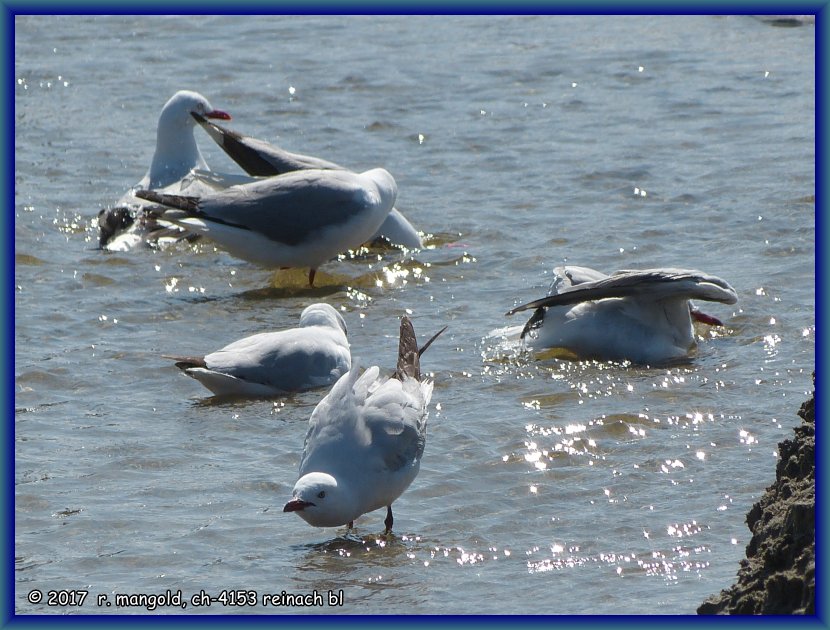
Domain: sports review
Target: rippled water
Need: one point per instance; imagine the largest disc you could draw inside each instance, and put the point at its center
(518, 143)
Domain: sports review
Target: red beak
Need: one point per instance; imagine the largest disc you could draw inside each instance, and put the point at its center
(296, 505)
(703, 318)
(218, 113)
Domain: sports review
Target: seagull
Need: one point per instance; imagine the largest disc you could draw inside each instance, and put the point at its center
(315, 354)
(299, 219)
(124, 225)
(259, 158)
(643, 316)
(365, 440)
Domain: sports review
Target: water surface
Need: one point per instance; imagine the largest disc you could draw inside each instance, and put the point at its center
(518, 144)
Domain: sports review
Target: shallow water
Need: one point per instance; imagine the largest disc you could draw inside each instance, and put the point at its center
(518, 143)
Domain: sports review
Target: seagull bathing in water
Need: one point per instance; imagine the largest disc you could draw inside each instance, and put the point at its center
(299, 219)
(125, 225)
(643, 316)
(313, 355)
(365, 440)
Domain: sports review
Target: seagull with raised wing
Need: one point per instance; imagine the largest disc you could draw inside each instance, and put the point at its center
(299, 219)
(124, 225)
(259, 158)
(315, 354)
(365, 441)
(643, 316)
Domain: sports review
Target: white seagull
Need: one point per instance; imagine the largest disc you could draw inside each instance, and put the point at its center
(643, 316)
(259, 158)
(299, 219)
(125, 225)
(315, 354)
(365, 440)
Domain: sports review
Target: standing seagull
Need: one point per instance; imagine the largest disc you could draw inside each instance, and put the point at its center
(643, 316)
(365, 440)
(260, 158)
(125, 225)
(300, 219)
(314, 354)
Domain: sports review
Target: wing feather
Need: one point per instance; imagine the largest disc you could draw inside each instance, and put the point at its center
(655, 284)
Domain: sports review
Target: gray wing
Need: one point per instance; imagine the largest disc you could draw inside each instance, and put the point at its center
(396, 420)
(386, 428)
(655, 284)
(286, 208)
(257, 157)
(334, 419)
(289, 360)
(401, 444)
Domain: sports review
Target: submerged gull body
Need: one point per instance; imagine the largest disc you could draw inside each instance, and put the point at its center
(365, 440)
(259, 158)
(176, 155)
(644, 316)
(315, 354)
(300, 219)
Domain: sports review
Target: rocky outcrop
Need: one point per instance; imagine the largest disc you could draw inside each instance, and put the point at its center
(778, 575)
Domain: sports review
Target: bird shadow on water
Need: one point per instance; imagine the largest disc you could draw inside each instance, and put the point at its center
(388, 268)
(296, 400)
(381, 548)
(349, 561)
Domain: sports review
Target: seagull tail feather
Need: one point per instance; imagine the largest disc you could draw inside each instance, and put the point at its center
(188, 204)
(184, 363)
(409, 355)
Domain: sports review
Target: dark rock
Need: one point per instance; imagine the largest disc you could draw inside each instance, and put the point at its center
(779, 575)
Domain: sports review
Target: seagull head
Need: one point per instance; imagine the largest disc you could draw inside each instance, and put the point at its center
(176, 151)
(322, 314)
(178, 109)
(320, 502)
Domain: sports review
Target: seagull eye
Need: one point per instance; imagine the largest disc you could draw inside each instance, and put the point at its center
(321, 494)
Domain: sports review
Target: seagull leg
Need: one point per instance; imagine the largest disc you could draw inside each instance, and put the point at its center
(351, 525)
(388, 521)
(311, 273)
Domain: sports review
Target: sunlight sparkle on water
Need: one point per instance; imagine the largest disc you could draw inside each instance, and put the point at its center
(746, 438)
(679, 530)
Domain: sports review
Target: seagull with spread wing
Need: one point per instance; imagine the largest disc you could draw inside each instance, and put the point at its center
(644, 316)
